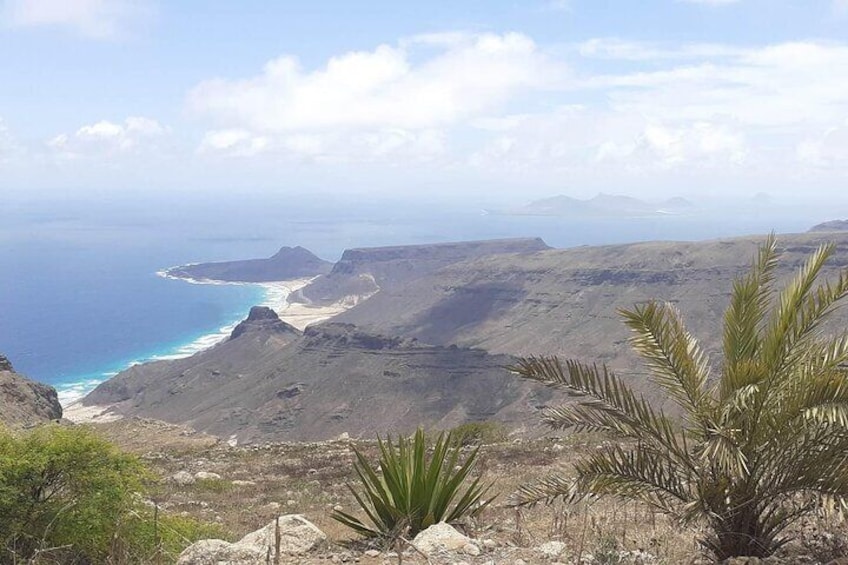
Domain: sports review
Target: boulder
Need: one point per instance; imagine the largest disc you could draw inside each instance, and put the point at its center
(220, 552)
(207, 476)
(297, 537)
(440, 537)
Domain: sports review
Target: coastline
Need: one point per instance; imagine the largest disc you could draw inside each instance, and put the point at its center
(276, 298)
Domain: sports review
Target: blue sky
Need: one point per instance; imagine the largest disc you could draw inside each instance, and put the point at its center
(484, 99)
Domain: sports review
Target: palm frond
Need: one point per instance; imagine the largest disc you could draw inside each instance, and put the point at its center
(744, 318)
(676, 360)
(800, 311)
(611, 406)
(637, 474)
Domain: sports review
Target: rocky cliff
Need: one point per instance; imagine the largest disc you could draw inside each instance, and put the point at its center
(362, 272)
(268, 382)
(25, 403)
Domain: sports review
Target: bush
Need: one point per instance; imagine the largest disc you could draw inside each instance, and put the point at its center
(408, 493)
(478, 433)
(761, 444)
(68, 496)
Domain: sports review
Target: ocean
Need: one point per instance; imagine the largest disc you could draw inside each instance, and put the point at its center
(80, 298)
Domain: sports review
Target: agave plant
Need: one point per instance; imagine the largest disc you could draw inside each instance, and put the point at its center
(410, 491)
(762, 441)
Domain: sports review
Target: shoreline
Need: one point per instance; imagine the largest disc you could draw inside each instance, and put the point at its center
(276, 298)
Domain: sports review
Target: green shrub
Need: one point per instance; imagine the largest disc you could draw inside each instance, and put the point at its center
(761, 443)
(68, 496)
(478, 433)
(410, 491)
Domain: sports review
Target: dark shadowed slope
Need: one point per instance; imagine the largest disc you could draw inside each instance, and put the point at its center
(270, 382)
(288, 263)
(25, 403)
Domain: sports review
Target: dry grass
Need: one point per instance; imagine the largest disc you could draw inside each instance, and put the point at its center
(310, 478)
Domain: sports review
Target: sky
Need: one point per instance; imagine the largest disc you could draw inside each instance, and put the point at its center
(477, 99)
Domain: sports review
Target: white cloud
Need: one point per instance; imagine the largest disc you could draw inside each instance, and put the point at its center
(8, 145)
(389, 87)
(380, 145)
(826, 151)
(97, 19)
(106, 138)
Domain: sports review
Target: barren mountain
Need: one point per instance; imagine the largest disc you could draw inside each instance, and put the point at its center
(270, 382)
(25, 403)
(288, 263)
(564, 301)
(362, 272)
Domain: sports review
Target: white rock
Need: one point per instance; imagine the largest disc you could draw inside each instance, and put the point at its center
(440, 537)
(297, 536)
(220, 552)
(344, 436)
(372, 553)
(182, 478)
(206, 476)
(240, 483)
(551, 549)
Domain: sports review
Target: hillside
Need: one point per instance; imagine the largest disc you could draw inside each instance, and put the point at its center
(564, 301)
(25, 403)
(362, 272)
(428, 348)
(288, 263)
(271, 382)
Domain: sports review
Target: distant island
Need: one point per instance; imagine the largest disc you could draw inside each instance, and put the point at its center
(602, 205)
(831, 226)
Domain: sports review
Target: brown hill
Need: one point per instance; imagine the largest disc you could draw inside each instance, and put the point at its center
(270, 382)
(25, 403)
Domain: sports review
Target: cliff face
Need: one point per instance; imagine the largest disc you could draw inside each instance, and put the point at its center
(25, 403)
(362, 272)
(262, 385)
(565, 301)
(288, 263)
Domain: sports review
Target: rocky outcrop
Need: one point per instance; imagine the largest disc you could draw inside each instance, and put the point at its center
(263, 319)
(297, 536)
(25, 403)
(289, 263)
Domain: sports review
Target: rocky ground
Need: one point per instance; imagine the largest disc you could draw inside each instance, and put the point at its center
(244, 488)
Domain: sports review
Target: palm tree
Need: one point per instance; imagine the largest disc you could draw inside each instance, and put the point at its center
(761, 443)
